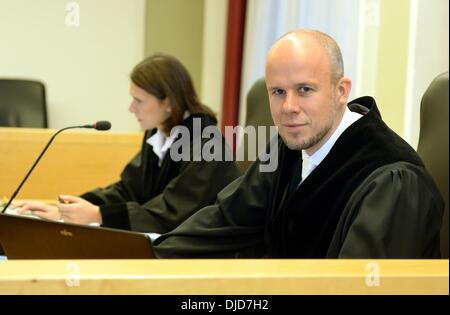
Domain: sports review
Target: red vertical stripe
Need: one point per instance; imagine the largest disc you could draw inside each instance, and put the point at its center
(233, 65)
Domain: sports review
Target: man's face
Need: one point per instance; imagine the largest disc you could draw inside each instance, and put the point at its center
(305, 105)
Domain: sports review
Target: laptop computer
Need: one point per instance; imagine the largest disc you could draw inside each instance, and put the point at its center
(29, 238)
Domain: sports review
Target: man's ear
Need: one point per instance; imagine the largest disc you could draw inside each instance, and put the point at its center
(343, 88)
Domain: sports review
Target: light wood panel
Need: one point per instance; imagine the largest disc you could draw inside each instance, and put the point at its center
(76, 162)
(231, 277)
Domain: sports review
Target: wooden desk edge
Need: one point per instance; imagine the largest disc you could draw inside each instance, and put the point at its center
(230, 277)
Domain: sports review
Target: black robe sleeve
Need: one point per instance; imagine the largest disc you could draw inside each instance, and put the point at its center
(124, 204)
(121, 191)
(395, 213)
(195, 187)
(232, 227)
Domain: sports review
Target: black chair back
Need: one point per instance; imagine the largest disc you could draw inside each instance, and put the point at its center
(22, 104)
(433, 142)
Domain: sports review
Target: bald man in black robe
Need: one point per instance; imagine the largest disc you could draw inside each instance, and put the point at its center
(346, 185)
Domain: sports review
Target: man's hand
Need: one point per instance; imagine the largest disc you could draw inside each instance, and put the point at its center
(77, 210)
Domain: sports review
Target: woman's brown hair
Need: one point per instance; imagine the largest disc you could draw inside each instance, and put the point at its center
(165, 76)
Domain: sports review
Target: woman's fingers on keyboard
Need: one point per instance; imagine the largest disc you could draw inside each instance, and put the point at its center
(30, 206)
(17, 204)
(23, 208)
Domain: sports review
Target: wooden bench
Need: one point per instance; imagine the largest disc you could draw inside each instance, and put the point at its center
(77, 161)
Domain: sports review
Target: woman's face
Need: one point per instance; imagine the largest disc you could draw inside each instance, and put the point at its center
(150, 111)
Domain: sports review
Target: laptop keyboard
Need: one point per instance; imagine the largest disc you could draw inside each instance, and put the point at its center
(15, 211)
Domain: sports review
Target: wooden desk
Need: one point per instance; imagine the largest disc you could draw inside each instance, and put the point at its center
(76, 162)
(230, 277)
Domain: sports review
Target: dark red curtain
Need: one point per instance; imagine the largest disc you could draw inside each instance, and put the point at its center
(233, 65)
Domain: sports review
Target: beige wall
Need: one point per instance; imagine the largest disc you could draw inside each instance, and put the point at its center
(427, 57)
(176, 27)
(402, 52)
(214, 41)
(85, 68)
(392, 62)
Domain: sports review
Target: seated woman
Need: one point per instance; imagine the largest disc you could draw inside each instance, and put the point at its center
(156, 192)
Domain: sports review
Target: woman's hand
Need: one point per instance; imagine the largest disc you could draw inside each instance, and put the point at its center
(37, 208)
(78, 210)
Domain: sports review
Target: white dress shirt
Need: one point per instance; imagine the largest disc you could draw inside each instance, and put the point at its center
(161, 144)
(311, 162)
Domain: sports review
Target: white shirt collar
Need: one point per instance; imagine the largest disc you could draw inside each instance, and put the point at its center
(347, 120)
(161, 144)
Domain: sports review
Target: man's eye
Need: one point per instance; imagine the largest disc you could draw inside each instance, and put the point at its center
(304, 90)
(278, 92)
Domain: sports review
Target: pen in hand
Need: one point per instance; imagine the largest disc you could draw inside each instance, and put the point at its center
(61, 200)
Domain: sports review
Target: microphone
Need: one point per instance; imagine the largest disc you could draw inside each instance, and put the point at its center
(99, 125)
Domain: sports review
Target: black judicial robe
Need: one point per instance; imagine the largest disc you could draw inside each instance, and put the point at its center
(149, 198)
(371, 197)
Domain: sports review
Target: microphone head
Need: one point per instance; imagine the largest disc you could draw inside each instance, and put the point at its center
(102, 125)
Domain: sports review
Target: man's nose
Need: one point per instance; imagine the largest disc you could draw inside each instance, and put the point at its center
(291, 103)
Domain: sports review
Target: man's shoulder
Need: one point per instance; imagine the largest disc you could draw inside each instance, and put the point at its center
(403, 175)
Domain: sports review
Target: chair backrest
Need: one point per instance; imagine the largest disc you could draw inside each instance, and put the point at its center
(258, 114)
(22, 104)
(433, 142)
